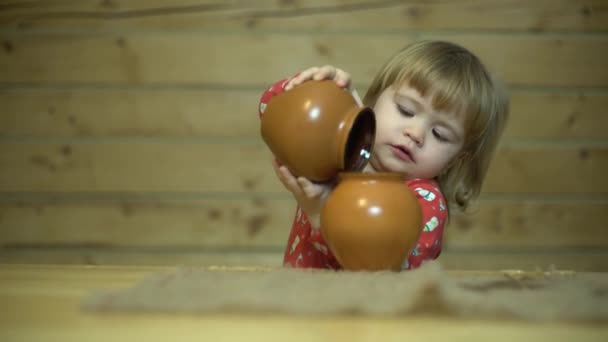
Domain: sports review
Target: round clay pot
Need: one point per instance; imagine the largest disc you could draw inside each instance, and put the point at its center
(371, 221)
(317, 129)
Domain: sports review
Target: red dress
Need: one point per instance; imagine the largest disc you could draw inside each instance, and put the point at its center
(306, 247)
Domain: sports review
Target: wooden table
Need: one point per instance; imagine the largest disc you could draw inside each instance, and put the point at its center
(41, 303)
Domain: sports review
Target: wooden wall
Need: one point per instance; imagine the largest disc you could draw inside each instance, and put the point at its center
(128, 128)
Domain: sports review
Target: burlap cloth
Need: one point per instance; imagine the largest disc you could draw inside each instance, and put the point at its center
(550, 295)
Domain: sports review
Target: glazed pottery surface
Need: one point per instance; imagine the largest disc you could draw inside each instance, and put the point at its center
(317, 130)
(371, 221)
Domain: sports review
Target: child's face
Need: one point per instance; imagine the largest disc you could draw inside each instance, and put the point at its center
(412, 137)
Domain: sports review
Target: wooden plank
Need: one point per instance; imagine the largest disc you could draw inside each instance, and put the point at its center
(265, 223)
(232, 112)
(109, 256)
(549, 169)
(126, 113)
(450, 260)
(123, 275)
(217, 58)
(173, 166)
(510, 15)
(103, 256)
(218, 223)
(193, 167)
(527, 261)
(529, 223)
(557, 115)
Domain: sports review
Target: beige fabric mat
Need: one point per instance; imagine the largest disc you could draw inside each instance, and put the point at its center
(551, 295)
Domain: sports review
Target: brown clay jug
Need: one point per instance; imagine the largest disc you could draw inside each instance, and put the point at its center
(371, 221)
(317, 129)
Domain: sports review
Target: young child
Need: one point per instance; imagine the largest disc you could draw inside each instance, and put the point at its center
(439, 115)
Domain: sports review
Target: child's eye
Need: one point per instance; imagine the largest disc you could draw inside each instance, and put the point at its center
(439, 136)
(405, 111)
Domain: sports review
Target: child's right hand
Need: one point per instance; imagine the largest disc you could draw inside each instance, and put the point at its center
(310, 196)
(327, 72)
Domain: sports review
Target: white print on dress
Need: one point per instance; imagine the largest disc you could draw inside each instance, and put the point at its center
(426, 194)
(299, 217)
(320, 247)
(295, 243)
(431, 224)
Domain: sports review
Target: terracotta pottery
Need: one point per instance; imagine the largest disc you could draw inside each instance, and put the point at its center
(371, 221)
(317, 129)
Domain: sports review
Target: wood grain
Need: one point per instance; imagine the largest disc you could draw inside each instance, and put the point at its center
(232, 113)
(527, 223)
(217, 58)
(162, 166)
(265, 223)
(194, 167)
(218, 223)
(313, 15)
(470, 260)
(212, 113)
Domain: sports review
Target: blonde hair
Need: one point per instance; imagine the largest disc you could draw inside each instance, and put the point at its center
(457, 81)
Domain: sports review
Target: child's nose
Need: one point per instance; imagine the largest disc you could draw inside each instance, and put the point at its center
(416, 133)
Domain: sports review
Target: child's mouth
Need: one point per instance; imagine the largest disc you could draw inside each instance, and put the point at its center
(402, 153)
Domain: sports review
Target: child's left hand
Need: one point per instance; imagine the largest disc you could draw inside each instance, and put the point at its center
(310, 196)
(326, 72)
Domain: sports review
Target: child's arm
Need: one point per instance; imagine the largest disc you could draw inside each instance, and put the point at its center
(434, 217)
(271, 92)
(310, 196)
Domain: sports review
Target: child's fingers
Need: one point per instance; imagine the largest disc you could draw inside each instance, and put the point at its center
(302, 77)
(310, 189)
(305, 184)
(342, 78)
(283, 173)
(326, 72)
(289, 181)
(330, 72)
(276, 163)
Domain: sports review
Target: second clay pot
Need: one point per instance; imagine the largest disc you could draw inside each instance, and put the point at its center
(371, 221)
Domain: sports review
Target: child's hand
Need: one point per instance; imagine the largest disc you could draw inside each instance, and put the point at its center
(327, 72)
(310, 196)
